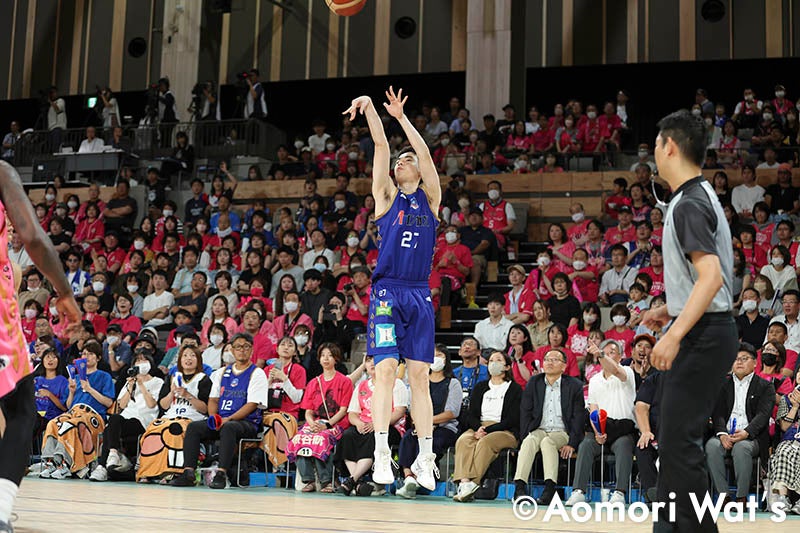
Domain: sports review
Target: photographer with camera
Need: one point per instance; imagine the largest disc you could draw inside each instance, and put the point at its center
(255, 103)
(205, 102)
(138, 404)
(56, 118)
(110, 111)
(167, 111)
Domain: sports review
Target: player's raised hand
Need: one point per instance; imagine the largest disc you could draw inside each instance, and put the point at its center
(68, 310)
(358, 105)
(396, 102)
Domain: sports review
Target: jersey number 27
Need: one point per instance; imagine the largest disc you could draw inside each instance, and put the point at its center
(405, 242)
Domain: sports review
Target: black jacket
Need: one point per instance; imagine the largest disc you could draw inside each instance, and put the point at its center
(509, 418)
(573, 410)
(758, 406)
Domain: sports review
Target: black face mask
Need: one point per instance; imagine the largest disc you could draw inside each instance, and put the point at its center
(768, 359)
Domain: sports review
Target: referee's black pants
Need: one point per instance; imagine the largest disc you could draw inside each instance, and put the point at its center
(690, 391)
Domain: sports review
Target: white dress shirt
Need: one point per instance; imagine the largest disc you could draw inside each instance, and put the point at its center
(739, 411)
(493, 335)
(95, 145)
(552, 418)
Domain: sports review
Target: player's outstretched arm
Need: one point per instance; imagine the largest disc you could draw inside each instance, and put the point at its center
(37, 244)
(382, 185)
(427, 168)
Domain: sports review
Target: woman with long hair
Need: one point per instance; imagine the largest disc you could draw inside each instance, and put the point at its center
(520, 349)
(556, 338)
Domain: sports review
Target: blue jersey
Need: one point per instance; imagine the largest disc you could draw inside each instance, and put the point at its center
(233, 393)
(406, 239)
(59, 387)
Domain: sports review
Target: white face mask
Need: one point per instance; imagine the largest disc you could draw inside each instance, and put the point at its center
(224, 232)
(496, 368)
(463, 203)
(619, 320)
(320, 267)
(144, 368)
(227, 358)
(749, 305)
(49, 197)
(339, 204)
(299, 144)
(290, 307)
(112, 339)
(589, 319)
(642, 153)
(577, 217)
(352, 242)
(72, 204)
(352, 156)
(450, 237)
(168, 213)
(697, 112)
(138, 245)
(709, 122)
(30, 314)
(521, 163)
(748, 97)
(493, 194)
(132, 288)
(215, 339)
(767, 116)
(445, 142)
(543, 260)
(779, 94)
(438, 364)
(578, 265)
(301, 340)
(592, 115)
(777, 261)
(98, 286)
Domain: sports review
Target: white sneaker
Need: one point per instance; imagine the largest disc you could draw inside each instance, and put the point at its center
(99, 474)
(113, 461)
(409, 489)
(617, 497)
(124, 463)
(424, 468)
(576, 497)
(796, 508)
(48, 470)
(382, 468)
(466, 492)
(62, 472)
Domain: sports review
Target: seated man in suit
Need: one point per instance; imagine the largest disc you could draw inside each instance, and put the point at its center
(741, 423)
(552, 418)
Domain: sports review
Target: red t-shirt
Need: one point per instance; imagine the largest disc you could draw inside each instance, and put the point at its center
(263, 348)
(658, 280)
(755, 256)
(527, 360)
(626, 338)
(535, 281)
(524, 300)
(131, 323)
(463, 256)
(617, 236)
(353, 313)
(325, 398)
(588, 288)
(542, 139)
(572, 361)
(98, 321)
(577, 231)
(114, 257)
(435, 282)
(591, 134)
(297, 375)
(29, 329)
(764, 236)
(613, 202)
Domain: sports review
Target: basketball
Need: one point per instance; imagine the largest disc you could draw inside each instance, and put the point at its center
(346, 8)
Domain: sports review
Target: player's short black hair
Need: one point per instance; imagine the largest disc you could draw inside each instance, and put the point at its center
(688, 132)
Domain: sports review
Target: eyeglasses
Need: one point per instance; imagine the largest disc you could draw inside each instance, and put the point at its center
(553, 360)
(241, 347)
(744, 359)
(790, 302)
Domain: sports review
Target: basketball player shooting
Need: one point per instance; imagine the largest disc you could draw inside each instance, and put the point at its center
(401, 317)
(16, 383)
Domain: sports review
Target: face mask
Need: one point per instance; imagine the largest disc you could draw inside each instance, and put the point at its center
(301, 340)
(438, 364)
(227, 358)
(768, 359)
(138, 245)
(224, 232)
(98, 286)
(642, 153)
(144, 368)
(709, 122)
(30, 314)
(450, 237)
(749, 305)
(320, 267)
(298, 144)
(589, 319)
(112, 339)
(49, 197)
(330, 146)
(339, 204)
(568, 123)
(779, 94)
(697, 112)
(521, 163)
(473, 138)
(496, 368)
(463, 203)
(352, 242)
(578, 265)
(619, 320)
(543, 260)
(168, 212)
(215, 339)
(493, 194)
(445, 142)
(132, 288)
(352, 156)
(256, 291)
(592, 115)
(577, 217)
(748, 97)
(777, 261)
(72, 205)
(290, 307)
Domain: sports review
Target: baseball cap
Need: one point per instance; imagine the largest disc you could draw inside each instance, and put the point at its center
(507, 106)
(516, 266)
(114, 327)
(644, 337)
(624, 209)
(185, 329)
(150, 334)
(785, 166)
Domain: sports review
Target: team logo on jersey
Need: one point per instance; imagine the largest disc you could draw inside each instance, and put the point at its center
(386, 336)
(384, 308)
(234, 382)
(413, 202)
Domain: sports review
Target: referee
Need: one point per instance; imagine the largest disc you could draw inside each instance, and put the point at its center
(699, 348)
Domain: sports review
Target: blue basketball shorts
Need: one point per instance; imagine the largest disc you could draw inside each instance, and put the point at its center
(401, 321)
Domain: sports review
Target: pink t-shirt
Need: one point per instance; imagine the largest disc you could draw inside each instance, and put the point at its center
(625, 337)
(325, 398)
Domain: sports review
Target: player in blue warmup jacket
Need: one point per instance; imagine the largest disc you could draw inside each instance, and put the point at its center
(401, 317)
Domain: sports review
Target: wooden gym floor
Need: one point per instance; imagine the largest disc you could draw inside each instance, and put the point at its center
(79, 505)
